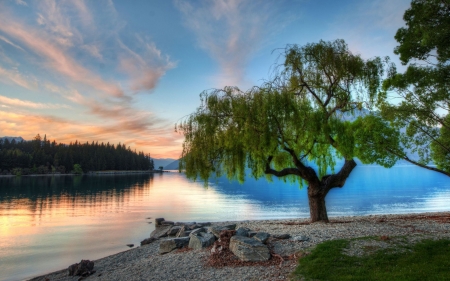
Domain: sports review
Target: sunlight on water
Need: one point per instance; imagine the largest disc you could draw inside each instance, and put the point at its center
(48, 223)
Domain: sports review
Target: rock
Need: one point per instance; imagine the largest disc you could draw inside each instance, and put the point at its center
(148, 241)
(281, 236)
(194, 226)
(169, 245)
(252, 233)
(200, 240)
(173, 231)
(181, 232)
(185, 223)
(261, 237)
(217, 229)
(203, 224)
(158, 221)
(130, 245)
(167, 223)
(249, 249)
(198, 230)
(300, 238)
(242, 231)
(160, 231)
(84, 268)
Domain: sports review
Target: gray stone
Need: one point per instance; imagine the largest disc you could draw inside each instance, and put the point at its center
(158, 221)
(261, 237)
(300, 238)
(252, 233)
(195, 226)
(148, 241)
(84, 268)
(249, 249)
(160, 231)
(201, 240)
(242, 231)
(198, 230)
(217, 229)
(169, 245)
(174, 230)
(184, 223)
(203, 224)
(181, 232)
(167, 223)
(281, 236)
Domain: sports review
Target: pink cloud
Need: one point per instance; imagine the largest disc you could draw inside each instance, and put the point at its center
(29, 104)
(16, 78)
(57, 59)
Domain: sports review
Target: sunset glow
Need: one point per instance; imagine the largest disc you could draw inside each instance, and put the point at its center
(120, 71)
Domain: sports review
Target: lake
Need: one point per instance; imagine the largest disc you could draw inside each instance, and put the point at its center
(48, 223)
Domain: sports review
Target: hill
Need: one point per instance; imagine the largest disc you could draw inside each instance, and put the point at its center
(162, 162)
(173, 165)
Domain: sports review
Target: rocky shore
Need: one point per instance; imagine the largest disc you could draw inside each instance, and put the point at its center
(288, 240)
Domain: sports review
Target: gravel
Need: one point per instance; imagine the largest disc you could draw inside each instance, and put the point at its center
(145, 263)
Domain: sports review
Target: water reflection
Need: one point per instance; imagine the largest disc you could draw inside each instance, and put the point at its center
(48, 223)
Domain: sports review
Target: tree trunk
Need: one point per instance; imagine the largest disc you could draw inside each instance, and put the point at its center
(317, 207)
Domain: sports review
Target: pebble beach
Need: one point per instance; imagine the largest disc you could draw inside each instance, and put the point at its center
(145, 262)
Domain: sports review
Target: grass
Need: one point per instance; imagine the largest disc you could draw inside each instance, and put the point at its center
(427, 260)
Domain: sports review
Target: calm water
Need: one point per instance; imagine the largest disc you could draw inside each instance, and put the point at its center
(48, 223)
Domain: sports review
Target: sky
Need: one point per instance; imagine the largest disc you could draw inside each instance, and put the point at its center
(128, 71)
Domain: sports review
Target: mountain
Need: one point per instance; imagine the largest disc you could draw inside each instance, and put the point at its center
(17, 139)
(162, 162)
(172, 166)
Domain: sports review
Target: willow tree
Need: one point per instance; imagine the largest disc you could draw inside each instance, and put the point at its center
(295, 127)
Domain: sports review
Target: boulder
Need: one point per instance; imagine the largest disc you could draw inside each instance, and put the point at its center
(198, 230)
(281, 236)
(184, 223)
(217, 229)
(158, 221)
(203, 224)
(300, 238)
(249, 249)
(261, 237)
(194, 226)
(84, 268)
(242, 231)
(160, 231)
(169, 245)
(148, 241)
(181, 232)
(200, 240)
(252, 233)
(173, 231)
(130, 245)
(167, 223)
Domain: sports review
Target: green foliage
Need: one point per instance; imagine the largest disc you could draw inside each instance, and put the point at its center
(287, 123)
(77, 169)
(423, 89)
(427, 260)
(427, 31)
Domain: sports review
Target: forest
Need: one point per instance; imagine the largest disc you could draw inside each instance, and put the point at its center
(43, 156)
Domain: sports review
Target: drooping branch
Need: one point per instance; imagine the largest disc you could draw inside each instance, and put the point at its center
(406, 158)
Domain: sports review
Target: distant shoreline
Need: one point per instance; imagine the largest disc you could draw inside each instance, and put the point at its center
(96, 173)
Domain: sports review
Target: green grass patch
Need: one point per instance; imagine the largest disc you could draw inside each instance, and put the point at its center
(427, 260)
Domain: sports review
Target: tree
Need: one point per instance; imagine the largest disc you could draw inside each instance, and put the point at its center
(423, 87)
(77, 169)
(161, 168)
(292, 124)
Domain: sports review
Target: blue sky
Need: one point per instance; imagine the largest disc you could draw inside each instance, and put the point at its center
(127, 71)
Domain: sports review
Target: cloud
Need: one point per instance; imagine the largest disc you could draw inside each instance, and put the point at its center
(10, 43)
(144, 69)
(84, 62)
(23, 103)
(16, 78)
(232, 31)
(160, 143)
(21, 2)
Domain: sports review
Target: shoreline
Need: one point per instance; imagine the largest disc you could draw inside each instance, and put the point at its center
(96, 173)
(145, 263)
